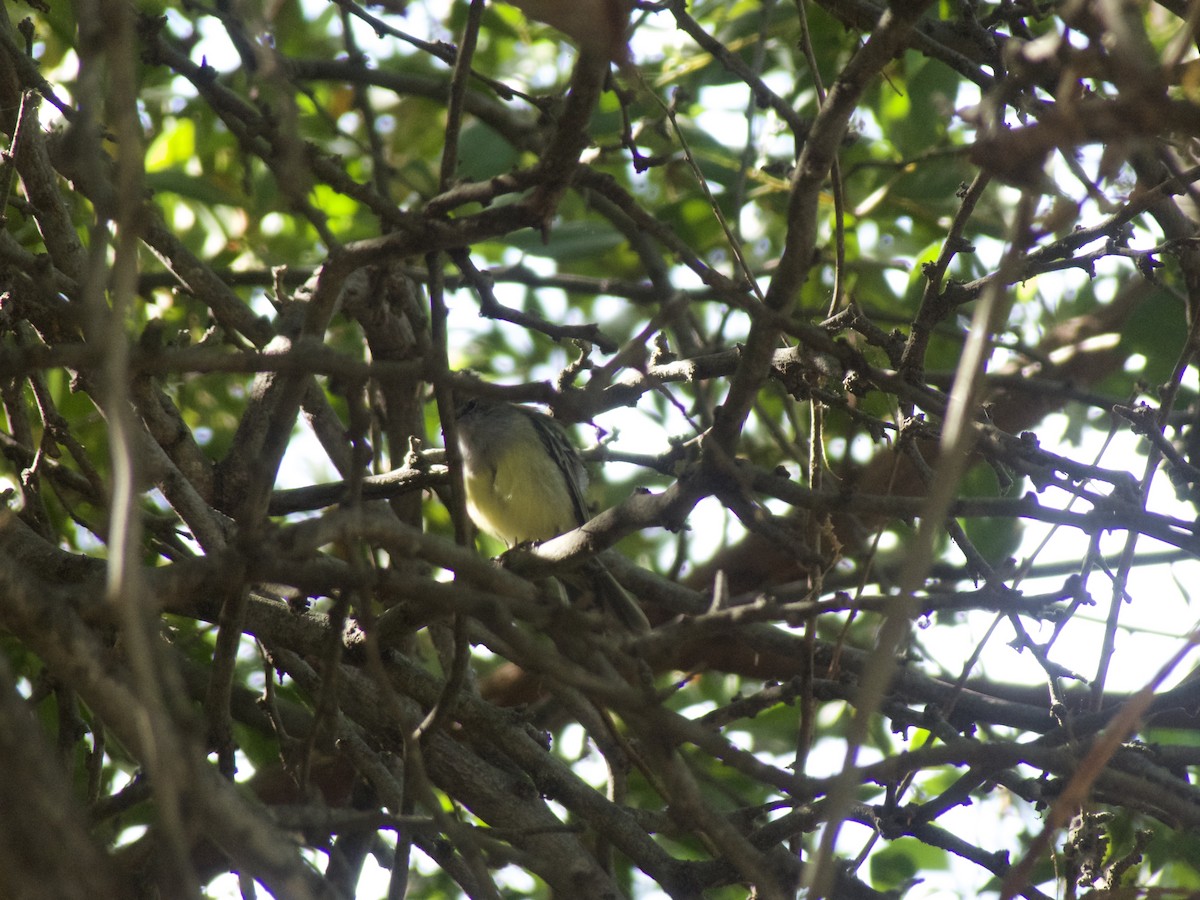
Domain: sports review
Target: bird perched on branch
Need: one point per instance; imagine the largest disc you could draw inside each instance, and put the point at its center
(525, 482)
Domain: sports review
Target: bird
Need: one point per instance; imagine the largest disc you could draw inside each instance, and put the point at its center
(526, 483)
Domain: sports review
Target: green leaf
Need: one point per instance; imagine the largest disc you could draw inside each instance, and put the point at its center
(897, 864)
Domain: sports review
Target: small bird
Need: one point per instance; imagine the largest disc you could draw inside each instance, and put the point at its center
(526, 483)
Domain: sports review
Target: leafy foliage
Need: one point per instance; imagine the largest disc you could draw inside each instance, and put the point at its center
(819, 283)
